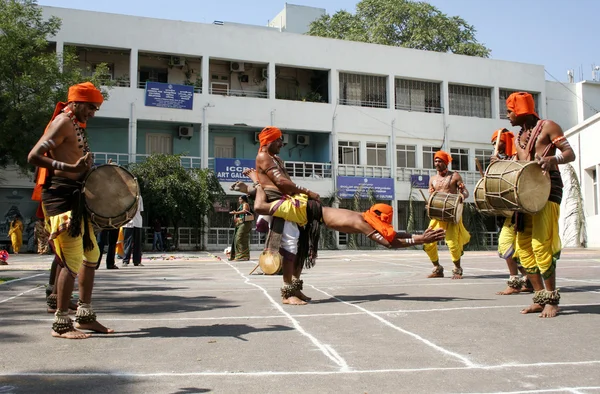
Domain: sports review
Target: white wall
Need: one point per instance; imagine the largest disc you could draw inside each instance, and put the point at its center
(561, 103)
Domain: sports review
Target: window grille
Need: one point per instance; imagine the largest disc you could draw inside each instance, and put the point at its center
(418, 96)
(470, 101)
(363, 90)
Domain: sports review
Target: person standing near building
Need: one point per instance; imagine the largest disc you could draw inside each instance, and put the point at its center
(108, 237)
(133, 233)
(157, 242)
(457, 236)
(538, 240)
(16, 233)
(243, 218)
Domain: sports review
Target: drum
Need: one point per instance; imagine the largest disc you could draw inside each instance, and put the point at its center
(517, 186)
(111, 195)
(270, 263)
(482, 205)
(445, 207)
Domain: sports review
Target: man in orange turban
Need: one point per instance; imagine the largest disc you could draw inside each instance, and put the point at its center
(446, 185)
(506, 143)
(268, 135)
(538, 241)
(63, 158)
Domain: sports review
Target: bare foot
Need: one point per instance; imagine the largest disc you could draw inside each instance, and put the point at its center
(293, 300)
(533, 308)
(456, 276)
(301, 295)
(240, 186)
(71, 311)
(508, 291)
(252, 174)
(95, 326)
(72, 334)
(436, 275)
(549, 311)
(526, 289)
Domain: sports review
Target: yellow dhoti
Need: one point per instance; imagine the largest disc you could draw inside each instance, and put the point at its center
(291, 209)
(70, 249)
(539, 244)
(456, 237)
(507, 241)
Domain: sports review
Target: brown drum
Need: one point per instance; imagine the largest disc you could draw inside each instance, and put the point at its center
(111, 195)
(445, 207)
(481, 203)
(516, 186)
(270, 263)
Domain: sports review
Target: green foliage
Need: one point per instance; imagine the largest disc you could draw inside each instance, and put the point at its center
(31, 79)
(402, 23)
(175, 194)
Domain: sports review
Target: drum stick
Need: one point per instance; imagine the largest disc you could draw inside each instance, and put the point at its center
(497, 142)
(251, 272)
(478, 164)
(423, 194)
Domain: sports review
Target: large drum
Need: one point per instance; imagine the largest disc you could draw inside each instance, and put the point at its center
(517, 186)
(270, 263)
(111, 195)
(445, 207)
(481, 203)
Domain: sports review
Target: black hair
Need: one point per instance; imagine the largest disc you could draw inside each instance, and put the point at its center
(244, 198)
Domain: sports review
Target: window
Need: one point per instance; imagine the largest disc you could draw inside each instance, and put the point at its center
(595, 186)
(460, 159)
(504, 93)
(363, 90)
(153, 75)
(428, 153)
(348, 152)
(418, 96)
(470, 101)
(110, 71)
(592, 181)
(406, 156)
(376, 154)
(483, 155)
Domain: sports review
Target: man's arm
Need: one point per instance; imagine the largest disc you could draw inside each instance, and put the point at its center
(269, 167)
(460, 185)
(53, 138)
(565, 153)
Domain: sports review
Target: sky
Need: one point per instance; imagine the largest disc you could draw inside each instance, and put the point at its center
(558, 34)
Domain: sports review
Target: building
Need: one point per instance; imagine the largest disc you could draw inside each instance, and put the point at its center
(351, 112)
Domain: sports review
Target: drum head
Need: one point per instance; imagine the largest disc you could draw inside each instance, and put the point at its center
(533, 188)
(270, 263)
(110, 190)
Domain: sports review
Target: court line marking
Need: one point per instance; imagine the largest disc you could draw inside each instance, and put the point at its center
(327, 350)
(309, 373)
(20, 279)
(575, 390)
(427, 342)
(20, 294)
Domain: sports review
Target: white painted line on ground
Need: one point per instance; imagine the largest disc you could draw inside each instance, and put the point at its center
(427, 342)
(574, 390)
(308, 315)
(308, 373)
(324, 348)
(18, 295)
(20, 279)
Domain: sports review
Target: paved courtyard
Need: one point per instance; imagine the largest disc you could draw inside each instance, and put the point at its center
(193, 323)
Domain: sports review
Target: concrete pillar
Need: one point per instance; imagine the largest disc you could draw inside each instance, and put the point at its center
(133, 68)
(205, 75)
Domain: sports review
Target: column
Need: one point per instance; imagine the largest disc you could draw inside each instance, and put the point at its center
(132, 149)
(205, 75)
(60, 48)
(446, 105)
(133, 68)
(334, 86)
(271, 81)
(495, 102)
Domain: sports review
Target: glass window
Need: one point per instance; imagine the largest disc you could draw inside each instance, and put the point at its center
(470, 101)
(483, 155)
(460, 159)
(348, 152)
(376, 154)
(428, 153)
(406, 156)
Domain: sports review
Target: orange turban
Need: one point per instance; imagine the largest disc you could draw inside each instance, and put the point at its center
(445, 157)
(521, 103)
(509, 141)
(269, 134)
(382, 221)
(85, 92)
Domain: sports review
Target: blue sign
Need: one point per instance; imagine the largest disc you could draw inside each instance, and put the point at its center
(168, 95)
(382, 187)
(420, 181)
(230, 170)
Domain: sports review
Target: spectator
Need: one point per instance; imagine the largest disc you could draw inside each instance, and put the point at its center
(133, 234)
(157, 236)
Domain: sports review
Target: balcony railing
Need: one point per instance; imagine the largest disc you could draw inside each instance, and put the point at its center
(224, 237)
(239, 93)
(403, 174)
(123, 159)
(368, 171)
(142, 85)
(363, 103)
(298, 169)
(419, 108)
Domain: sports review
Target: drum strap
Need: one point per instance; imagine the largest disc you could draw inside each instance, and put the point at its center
(535, 133)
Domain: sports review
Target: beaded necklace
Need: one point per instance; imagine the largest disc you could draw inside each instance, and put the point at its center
(523, 146)
(81, 137)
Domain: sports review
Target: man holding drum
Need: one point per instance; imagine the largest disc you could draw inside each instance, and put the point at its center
(63, 158)
(448, 182)
(504, 143)
(538, 241)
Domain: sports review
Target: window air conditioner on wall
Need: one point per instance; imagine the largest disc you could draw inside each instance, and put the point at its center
(302, 139)
(186, 131)
(177, 61)
(237, 67)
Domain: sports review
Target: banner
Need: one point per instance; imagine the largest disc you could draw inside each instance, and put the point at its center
(230, 170)
(420, 181)
(382, 187)
(168, 95)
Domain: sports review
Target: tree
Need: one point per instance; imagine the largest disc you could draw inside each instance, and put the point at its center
(33, 77)
(402, 23)
(179, 195)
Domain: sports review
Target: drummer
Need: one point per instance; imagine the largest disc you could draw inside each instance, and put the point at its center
(503, 141)
(538, 241)
(63, 157)
(457, 236)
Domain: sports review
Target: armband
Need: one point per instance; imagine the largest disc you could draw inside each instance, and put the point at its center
(59, 165)
(558, 139)
(560, 159)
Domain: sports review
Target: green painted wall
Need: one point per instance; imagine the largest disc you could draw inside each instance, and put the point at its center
(108, 135)
(188, 147)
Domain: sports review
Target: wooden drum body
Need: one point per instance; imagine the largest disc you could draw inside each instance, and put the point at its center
(481, 203)
(445, 207)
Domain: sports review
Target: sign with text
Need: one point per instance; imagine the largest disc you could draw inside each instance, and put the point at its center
(420, 181)
(382, 187)
(169, 95)
(230, 170)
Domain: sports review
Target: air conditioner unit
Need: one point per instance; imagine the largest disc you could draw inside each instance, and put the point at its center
(177, 61)
(237, 67)
(186, 131)
(265, 73)
(256, 133)
(286, 138)
(302, 139)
